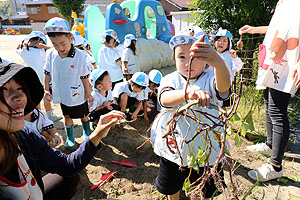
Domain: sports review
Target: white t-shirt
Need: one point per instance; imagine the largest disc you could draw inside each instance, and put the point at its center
(123, 87)
(40, 123)
(132, 64)
(89, 60)
(34, 58)
(99, 99)
(27, 189)
(175, 81)
(107, 58)
(66, 75)
(283, 37)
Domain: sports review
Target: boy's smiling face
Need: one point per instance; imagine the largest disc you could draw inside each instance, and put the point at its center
(62, 44)
(182, 57)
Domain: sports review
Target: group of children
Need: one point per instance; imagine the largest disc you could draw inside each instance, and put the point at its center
(86, 91)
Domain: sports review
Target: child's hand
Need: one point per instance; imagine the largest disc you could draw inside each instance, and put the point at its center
(203, 96)
(89, 97)
(48, 96)
(205, 52)
(146, 117)
(55, 141)
(134, 116)
(232, 53)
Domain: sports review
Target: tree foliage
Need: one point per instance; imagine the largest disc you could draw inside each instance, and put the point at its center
(5, 8)
(232, 14)
(65, 7)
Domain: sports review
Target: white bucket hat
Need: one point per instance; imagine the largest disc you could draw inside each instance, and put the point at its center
(34, 34)
(140, 78)
(78, 39)
(127, 40)
(57, 25)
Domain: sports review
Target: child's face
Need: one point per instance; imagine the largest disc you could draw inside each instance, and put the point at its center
(221, 44)
(135, 88)
(106, 84)
(153, 86)
(182, 58)
(62, 44)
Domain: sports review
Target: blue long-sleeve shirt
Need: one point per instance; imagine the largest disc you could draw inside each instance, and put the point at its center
(40, 156)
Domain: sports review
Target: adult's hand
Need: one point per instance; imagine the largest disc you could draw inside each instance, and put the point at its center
(105, 123)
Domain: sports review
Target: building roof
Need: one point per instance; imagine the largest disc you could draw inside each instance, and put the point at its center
(181, 4)
(38, 2)
(18, 17)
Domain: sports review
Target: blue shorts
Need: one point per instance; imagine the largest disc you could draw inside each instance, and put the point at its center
(170, 179)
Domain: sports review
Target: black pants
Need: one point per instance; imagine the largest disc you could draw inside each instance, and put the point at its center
(277, 123)
(58, 187)
(93, 116)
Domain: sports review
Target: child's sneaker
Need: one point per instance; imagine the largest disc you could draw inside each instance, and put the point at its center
(141, 113)
(149, 110)
(150, 105)
(261, 148)
(52, 116)
(94, 125)
(265, 173)
(128, 117)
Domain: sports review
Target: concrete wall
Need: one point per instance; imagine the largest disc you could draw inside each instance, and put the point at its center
(177, 20)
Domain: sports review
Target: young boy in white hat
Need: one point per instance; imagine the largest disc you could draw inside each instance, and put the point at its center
(130, 95)
(205, 85)
(67, 69)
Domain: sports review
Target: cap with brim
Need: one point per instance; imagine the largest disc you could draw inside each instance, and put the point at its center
(78, 39)
(225, 33)
(127, 40)
(57, 25)
(34, 34)
(28, 75)
(111, 33)
(155, 76)
(187, 36)
(140, 78)
(85, 42)
(95, 74)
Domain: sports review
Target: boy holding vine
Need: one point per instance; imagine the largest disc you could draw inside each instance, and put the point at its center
(178, 161)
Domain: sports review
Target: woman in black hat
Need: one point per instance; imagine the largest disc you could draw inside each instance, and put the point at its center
(24, 153)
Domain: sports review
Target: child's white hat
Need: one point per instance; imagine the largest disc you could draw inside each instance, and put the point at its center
(111, 33)
(187, 36)
(140, 78)
(225, 33)
(34, 34)
(57, 25)
(95, 74)
(127, 40)
(78, 39)
(155, 76)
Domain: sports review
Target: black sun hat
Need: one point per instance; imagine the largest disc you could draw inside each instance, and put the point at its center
(28, 75)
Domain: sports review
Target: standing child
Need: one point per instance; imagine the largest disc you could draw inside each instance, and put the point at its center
(129, 64)
(151, 91)
(223, 46)
(39, 122)
(79, 43)
(33, 52)
(207, 86)
(130, 95)
(67, 69)
(279, 76)
(103, 100)
(108, 57)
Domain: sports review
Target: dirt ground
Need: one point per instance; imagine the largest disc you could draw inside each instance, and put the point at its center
(137, 183)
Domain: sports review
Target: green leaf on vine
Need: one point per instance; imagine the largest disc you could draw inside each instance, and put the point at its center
(186, 185)
(245, 127)
(238, 140)
(235, 118)
(229, 130)
(192, 162)
(201, 156)
(249, 120)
